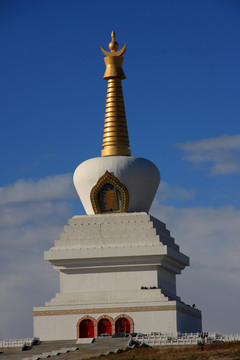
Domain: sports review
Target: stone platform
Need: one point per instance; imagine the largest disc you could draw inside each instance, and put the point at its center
(98, 347)
(115, 266)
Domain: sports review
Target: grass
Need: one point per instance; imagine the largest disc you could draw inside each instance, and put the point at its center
(216, 351)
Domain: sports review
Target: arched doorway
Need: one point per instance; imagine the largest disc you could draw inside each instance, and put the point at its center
(86, 329)
(104, 326)
(122, 325)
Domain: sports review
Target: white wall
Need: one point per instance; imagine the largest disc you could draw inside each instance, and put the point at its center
(63, 327)
(107, 280)
(187, 323)
(167, 281)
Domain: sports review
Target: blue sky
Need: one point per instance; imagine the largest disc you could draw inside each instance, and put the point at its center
(182, 105)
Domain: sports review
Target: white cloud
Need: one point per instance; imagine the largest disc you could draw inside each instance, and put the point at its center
(25, 284)
(32, 214)
(210, 237)
(221, 154)
(173, 192)
(50, 188)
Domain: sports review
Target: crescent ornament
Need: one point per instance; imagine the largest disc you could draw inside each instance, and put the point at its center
(114, 53)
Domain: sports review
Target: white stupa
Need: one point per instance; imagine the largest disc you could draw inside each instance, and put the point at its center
(117, 264)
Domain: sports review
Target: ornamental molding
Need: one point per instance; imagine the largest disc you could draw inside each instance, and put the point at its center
(196, 314)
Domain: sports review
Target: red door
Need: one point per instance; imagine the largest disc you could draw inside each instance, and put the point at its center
(104, 326)
(122, 325)
(86, 329)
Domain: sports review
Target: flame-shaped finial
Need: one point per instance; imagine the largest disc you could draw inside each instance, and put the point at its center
(113, 45)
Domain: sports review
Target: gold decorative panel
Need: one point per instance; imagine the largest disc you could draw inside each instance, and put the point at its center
(109, 195)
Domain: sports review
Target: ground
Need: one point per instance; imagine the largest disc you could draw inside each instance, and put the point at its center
(217, 351)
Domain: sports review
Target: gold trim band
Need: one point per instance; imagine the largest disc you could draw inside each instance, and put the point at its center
(116, 310)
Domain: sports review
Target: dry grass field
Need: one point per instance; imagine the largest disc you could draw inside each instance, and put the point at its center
(216, 351)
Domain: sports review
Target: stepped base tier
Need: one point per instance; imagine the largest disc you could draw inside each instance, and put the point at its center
(117, 274)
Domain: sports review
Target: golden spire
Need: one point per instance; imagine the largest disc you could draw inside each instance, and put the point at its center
(115, 136)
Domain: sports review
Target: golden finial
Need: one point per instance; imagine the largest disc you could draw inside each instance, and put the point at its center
(115, 137)
(113, 45)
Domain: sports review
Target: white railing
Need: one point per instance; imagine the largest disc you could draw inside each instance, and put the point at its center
(158, 339)
(153, 339)
(226, 337)
(15, 342)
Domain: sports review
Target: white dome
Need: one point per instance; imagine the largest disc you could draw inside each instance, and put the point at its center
(140, 176)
